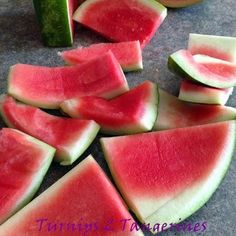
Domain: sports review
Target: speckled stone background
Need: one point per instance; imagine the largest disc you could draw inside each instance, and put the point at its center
(20, 42)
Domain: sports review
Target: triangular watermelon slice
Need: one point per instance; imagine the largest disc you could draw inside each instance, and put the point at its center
(83, 202)
(168, 175)
(174, 113)
(48, 87)
(123, 20)
(128, 54)
(220, 47)
(132, 112)
(198, 93)
(204, 69)
(71, 137)
(24, 162)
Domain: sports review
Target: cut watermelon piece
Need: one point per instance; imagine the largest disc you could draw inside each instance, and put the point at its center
(55, 21)
(48, 87)
(178, 3)
(70, 137)
(193, 92)
(166, 183)
(132, 112)
(220, 47)
(123, 20)
(128, 54)
(83, 202)
(24, 163)
(204, 69)
(174, 113)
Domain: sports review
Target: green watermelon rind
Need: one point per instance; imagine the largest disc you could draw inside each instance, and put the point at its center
(145, 124)
(38, 179)
(180, 207)
(179, 65)
(53, 18)
(179, 3)
(77, 146)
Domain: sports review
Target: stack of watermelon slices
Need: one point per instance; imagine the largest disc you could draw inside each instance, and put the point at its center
(209, 64)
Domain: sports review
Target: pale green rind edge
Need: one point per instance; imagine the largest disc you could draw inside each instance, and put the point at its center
(37, 180)
(179, 3)
(179, 207)
(181, 67)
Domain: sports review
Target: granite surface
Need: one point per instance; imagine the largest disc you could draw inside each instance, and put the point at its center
(20, 42)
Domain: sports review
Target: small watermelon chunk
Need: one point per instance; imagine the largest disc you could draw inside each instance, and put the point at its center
(194, 92)
(55, 21)
(174, 172)
(174, 113)
(83, 202)
(123, 20)
(132, 112)
(48, 87)
(70, 137)
(220, 47)
(128, 54)
(24, 162)
(178, 3)
(204, 69)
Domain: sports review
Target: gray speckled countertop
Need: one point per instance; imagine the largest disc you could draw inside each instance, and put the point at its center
(20, 42)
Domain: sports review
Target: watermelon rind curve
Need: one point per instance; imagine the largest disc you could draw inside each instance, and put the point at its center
(178, 3)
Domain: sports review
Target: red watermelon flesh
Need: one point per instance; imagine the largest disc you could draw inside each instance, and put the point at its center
(48, 87)
(128, 54)
(194, 92)
(73, 5)
(166, 163)
(220, 47)
(122, 20)
(132, 112)
(24, 163)
(174, 113)
(83, 201)
(70, 137)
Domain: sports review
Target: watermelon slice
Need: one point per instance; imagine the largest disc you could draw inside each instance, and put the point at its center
(174, 113)
(174, 172)
(24, 163)
(178, 3)
(193, 92)
(55, 20)
(122, 20)
(204, 69)
(220, 47)
(128, 54)
(70, 137)
(48, 87)
(132, 112)
(83, 202)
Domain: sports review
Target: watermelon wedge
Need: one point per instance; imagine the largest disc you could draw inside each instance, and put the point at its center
(220, 47)
(128, 54)
(123, 20)
(193, 92)
(133, 112)
(48, 87)
(55, 21)
(83, 202)
(70, 137)
(24, 163)
(178, 3)
(174, 113)
(166, 183)
(204, 69)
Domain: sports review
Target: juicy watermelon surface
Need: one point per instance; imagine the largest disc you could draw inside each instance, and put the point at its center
(83, 196)
(24, 162)
(71, 137)
(48, 87)
(168, 171)
(128, 54)
(133, 112)
(123, 20)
